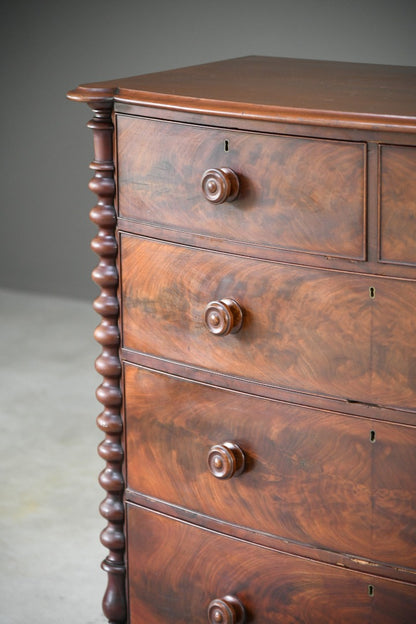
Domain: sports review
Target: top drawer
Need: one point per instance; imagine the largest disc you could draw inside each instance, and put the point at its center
(397, 204)
(295, 193)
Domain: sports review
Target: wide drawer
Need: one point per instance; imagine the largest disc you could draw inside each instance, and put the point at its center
(321, 332)
(398, 204)
(176, 570)
(295, 193)
(324, 479)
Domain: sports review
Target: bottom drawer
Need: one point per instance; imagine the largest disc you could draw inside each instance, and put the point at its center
(177, 570)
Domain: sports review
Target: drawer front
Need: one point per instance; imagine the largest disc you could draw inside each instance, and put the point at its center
(333, 481)
(398, 204)
(176, 570)
(295, 194)
(322, 332)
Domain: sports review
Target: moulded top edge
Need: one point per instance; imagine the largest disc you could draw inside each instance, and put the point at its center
(354, 95)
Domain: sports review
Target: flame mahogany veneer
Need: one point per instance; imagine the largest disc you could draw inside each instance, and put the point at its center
(257, 242)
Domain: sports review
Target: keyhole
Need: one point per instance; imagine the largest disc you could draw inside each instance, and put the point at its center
(371, 590)
(226, 145)
(372, 436)
(372, 292)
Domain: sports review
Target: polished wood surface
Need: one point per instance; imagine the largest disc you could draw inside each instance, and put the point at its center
(176, 570)
(223, 317)
(294, 193)
(398, 204)
(320, 332)
(318, 93)
(258, 291)
(226, 460)
(108, 364)
(222, 184)
(228, 610)
(336, 482)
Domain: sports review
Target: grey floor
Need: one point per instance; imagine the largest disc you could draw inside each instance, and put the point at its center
(49, 523)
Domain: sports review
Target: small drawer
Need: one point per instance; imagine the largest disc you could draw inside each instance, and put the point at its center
(326, 333)
(182, 574)
(294, 194)
(324, 479)
(398, 204)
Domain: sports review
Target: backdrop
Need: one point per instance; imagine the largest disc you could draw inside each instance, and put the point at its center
(51, 46)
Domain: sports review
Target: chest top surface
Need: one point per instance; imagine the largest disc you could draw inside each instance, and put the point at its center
(306, 91)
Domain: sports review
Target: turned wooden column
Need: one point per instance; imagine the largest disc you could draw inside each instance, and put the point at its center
(108, 363)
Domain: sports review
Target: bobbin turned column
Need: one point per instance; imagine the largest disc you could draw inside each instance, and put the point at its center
(108, 363)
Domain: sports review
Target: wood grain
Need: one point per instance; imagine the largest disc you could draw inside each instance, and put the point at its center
(310, 476)
(175, 570)
(295, 193)
(311, 330)
(398, 204)
(315, 93)
(314, 238)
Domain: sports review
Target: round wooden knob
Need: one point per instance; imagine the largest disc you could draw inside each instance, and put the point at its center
(226, 460)
(223, 317)
(227, 610)
(220, 185)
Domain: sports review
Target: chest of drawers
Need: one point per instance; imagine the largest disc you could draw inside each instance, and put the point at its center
(257, 244)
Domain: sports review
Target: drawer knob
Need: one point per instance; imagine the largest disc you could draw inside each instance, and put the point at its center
(223, 317)
(220, 185)
(226, 460)
(227, 610)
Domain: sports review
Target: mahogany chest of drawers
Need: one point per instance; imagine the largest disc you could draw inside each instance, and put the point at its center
(257, 244)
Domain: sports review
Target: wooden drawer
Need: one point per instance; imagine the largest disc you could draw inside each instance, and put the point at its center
(332, 481)
(321, 332)
(295, 193)
(176, 570)
(398, 204)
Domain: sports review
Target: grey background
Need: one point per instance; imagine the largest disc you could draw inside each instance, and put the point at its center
(50, 47)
